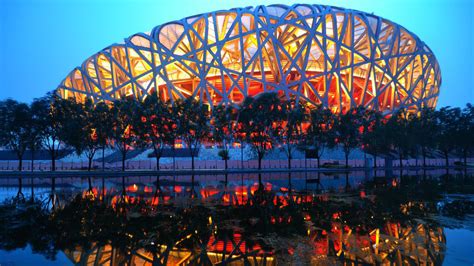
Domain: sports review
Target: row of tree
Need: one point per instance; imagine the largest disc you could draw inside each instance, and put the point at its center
(264, 122)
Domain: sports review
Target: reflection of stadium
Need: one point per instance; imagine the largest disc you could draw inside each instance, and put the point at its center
(420, 245)
(391, 243)
(318, 54)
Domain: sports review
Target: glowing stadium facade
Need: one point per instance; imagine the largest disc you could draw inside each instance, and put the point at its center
(317, 54)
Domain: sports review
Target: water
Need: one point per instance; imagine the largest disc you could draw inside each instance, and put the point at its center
(298, 218)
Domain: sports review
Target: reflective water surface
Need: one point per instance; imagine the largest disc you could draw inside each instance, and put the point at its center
(309, 218)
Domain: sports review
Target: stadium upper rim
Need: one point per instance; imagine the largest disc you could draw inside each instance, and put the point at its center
(327, 55)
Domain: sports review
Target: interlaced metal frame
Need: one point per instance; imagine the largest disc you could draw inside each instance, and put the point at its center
(318, 54)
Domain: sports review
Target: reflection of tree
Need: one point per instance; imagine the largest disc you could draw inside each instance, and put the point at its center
(53, 199)
(379, 224)
(25, 223)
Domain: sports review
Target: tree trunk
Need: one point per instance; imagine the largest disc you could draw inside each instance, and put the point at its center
(174, 156)
(157, 162)
(53, 162)
(401, 159)
(241, 155)
(124, 156)
(446, 158)
(319, 161)
(89, 165)
(424, 158)
(192, 161)
(259, 162)
(103, 158)
(225, 163)
(20, 187)
(89, 180)
(347, 159)
(289, 162)
(20, 163)
(465, 158)
(375, 160)
(53, 157)
(103, 187)
(32, 161)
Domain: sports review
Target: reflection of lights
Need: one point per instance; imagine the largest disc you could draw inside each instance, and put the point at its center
(340, 238)
(132, 188)
(209, 192)
(394, 183)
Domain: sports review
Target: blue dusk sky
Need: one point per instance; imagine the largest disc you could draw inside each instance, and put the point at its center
(41, 41)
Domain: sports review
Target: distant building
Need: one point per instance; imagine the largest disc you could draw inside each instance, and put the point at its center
(326, 55)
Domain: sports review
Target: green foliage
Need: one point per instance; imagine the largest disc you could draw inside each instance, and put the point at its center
(375, 131)
(319, 133)
(224, 154)
(192, 120)
(264, 122)
(347, 131)
(124, 123)
(156, 128)
(102, 123)
(290, 136)
(51, 121)
(260, 121)
(15, 127)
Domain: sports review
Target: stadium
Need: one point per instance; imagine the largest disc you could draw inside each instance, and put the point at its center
(316, 54)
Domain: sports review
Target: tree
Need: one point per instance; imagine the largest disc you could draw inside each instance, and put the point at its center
(399, 133)
(173, 130)
(318, 136)
(192, 123)
(294, 115)
(15, 127)
(348, 131)
(80, 130)
(156, 126)
(425, 130)
(223, 126)
(465, 135)
(239, 135)
(50, 117)
(102, 122)
(34, 136)
(260, 120)
(374, 137)
(448, 121)
(124, 119)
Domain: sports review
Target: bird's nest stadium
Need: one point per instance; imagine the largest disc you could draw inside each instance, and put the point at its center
(336, 57)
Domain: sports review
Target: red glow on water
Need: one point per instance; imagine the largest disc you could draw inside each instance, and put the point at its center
(178, 189)
(228, 246)
(132, 188)
(209, 192)
(394, 183)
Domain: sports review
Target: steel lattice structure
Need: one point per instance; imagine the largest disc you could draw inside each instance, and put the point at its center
(318, 54)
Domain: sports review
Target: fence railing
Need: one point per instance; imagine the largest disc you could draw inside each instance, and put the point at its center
(218, 164)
